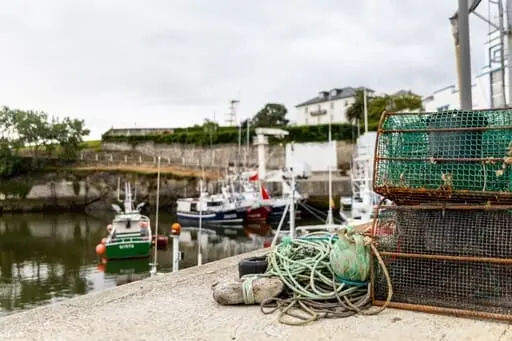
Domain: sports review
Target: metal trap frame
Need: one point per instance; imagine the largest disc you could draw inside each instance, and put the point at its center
(455, 156)
(445, 258)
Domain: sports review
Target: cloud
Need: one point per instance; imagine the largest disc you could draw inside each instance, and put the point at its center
(173, 63)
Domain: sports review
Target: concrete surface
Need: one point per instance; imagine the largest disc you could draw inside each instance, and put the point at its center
(180, 307)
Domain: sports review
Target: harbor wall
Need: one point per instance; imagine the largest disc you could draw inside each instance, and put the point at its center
(220, 155)
(97, 190)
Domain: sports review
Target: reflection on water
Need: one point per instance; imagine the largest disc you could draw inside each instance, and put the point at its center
(48, 258)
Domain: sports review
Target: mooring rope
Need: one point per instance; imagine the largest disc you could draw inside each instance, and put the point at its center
(314, 291)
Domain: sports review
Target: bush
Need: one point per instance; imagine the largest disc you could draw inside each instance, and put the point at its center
(226, 135)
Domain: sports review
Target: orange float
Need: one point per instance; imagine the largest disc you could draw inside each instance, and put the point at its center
(100, 249)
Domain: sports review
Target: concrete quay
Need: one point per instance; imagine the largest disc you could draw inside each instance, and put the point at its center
(179, 306)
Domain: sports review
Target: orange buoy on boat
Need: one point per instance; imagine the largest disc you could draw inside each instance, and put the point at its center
(100, 249)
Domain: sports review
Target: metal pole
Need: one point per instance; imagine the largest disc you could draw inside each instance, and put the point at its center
(502, 54)
(199, 255)
(365, 104)
(466, 101)
(292, 203)
(175, 253)
(509, 49)
(157, 209)
(248, 144)
(329, 212)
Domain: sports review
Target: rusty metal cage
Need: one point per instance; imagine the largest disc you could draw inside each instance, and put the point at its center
(457, 156)
(447, 258)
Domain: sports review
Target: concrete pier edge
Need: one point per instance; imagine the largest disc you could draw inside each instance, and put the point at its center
(180, 306)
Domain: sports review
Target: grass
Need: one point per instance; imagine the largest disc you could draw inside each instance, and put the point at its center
(91, 144)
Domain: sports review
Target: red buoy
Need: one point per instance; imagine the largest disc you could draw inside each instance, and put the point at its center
(100, 249)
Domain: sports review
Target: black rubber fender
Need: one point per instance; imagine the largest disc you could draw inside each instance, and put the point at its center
(252, 265)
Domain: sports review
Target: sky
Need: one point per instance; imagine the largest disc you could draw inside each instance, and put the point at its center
(170, 63)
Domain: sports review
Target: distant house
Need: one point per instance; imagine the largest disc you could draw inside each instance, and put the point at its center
(333, 103)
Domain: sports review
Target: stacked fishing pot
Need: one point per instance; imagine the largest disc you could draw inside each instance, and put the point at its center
(447, 238)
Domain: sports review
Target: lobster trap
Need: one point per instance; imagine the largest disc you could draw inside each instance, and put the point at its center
(448, 258)
(457, 156)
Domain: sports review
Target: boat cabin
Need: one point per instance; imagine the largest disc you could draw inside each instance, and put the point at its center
(130, 224)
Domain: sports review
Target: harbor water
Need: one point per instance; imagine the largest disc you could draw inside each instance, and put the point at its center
(47, 258)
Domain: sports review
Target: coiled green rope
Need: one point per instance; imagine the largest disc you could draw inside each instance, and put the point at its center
(314, 289)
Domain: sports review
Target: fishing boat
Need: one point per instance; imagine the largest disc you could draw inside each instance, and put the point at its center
(129, 235)
(254, 198)
(217, 208)
(364, 200)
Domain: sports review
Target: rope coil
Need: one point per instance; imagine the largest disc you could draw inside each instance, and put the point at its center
(313, 289)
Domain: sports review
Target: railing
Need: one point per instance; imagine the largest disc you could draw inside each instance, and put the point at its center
(139, 159)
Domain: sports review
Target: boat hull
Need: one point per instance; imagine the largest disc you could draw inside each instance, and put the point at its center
(128, 249)
(224, 217)
(258, 214)
(278, 211)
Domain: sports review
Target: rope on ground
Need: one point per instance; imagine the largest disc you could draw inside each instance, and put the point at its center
(247, 289)
(314, 290)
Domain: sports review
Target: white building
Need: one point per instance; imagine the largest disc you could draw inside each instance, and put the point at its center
(333, 103)
(482, 95)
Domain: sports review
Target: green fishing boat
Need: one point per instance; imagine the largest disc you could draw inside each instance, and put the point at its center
(129, 234)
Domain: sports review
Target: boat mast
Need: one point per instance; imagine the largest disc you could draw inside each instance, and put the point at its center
(199, 255)
(157, 209)
(127, 198)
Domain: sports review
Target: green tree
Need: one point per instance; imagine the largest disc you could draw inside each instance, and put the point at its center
(210, 129)
(378, 104)
(272, 115)
(32, 129)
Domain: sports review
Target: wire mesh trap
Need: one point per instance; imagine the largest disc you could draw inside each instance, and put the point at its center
(459, 156)
(451, 258)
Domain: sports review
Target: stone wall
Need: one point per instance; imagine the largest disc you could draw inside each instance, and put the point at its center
(219, 155)
(89, 191)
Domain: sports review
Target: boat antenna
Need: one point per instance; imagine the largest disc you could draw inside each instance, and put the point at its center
(127, 198)
(153, 270)
(119, 189)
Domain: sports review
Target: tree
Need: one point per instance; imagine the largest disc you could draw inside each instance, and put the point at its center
(378, 104)
(210, 129)
(272, 115)
(31, 129)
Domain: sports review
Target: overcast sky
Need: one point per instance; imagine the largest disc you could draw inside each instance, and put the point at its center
(175, 62)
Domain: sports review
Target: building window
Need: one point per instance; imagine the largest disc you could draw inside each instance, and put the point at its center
(443, 108)
(332, 105)
(306, 110)
(346, 103)
(307, 122)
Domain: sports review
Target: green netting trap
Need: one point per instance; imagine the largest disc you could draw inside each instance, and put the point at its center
(452, 155)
